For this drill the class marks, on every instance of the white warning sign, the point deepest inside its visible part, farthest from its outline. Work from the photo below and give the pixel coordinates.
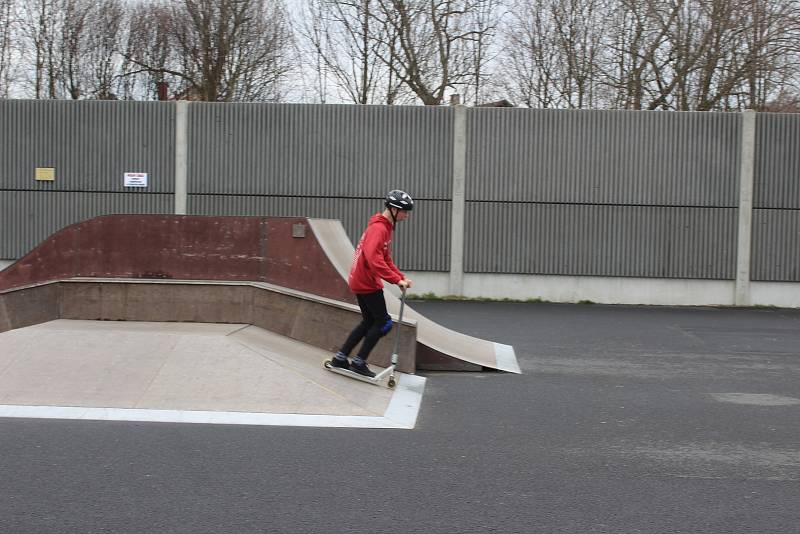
(135, 179)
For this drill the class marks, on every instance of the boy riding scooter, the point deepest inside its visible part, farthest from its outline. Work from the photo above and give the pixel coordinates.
(372, 264)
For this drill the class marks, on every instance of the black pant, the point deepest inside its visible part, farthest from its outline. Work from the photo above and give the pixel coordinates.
(375, 324)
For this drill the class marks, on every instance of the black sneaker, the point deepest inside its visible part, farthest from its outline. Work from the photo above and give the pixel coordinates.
(339, 363)
(362, 370)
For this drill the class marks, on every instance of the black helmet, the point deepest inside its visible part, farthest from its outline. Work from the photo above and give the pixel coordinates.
(399, 199)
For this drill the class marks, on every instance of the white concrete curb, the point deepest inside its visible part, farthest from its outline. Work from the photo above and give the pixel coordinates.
(400, 414)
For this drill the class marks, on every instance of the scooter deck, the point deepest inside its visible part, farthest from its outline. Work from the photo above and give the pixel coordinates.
(351, 374)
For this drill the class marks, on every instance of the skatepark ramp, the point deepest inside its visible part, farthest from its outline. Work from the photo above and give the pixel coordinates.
(284, 274)
(184, 372)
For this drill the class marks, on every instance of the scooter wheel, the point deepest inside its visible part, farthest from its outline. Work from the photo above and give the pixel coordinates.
(327, 364)
(392, 383)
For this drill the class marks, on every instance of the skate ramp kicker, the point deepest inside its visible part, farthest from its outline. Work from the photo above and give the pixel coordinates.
(187, 373)
(311, 256)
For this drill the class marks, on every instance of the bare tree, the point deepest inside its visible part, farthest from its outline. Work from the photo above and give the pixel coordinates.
(315, 29)
(784, 102)
(214, 50)
(557, 45)
(40, 25)
(742, 54)
(652, 54)
(346, 42)
(724, 61)
(484, 19)
(7, 25)
(578, 42)
(339, 33)
(230, 49)
(72, 47)
(634, 66)
(773, 32)
(631, 54)
(428, 51)
(147, 52)
(700, 54)
(529, 62)
(104, 43)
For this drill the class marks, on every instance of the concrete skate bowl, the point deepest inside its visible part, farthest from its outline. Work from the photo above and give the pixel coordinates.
(284, 274)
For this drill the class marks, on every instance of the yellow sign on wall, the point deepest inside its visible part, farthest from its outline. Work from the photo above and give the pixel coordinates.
(47, 174)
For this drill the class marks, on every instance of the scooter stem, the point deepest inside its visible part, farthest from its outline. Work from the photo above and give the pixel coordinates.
(390, 370)
(399, 321)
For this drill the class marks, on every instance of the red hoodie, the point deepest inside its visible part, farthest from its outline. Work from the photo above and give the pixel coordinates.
(372, 262)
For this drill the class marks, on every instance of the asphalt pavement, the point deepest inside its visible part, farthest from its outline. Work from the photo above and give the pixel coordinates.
(625, 419)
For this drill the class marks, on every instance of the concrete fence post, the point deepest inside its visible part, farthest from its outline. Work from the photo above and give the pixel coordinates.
(181, 156)
(456, 283)
(745, 234)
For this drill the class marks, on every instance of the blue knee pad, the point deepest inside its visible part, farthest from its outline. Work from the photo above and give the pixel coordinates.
(386, 326)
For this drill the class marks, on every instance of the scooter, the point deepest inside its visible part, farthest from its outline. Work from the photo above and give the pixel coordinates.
(377, 379)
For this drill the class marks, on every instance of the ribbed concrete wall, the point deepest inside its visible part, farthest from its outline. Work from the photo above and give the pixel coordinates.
(319, 151)
(90, 145)
(597, 240)
(777, 167)
(603, 157)
(776, 237)
(776, 202)
(608, 193)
